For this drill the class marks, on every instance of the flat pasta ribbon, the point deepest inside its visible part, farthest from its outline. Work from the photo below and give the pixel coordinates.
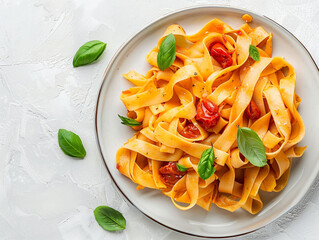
(170, 135)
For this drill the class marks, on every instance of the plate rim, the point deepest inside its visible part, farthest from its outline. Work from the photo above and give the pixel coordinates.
(117, 53)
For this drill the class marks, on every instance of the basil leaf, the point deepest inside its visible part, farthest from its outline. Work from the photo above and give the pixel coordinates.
(206, 164)
(167, 52)
(71, 144)
(109, 219)
(251, 146)
(129, 121)
(253, 52)
(181, 167)
(88, 52)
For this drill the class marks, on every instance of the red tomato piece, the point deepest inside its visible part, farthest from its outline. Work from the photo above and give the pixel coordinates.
(170, 174)
(238, 32)
(221, 55)
(207, 113)
(170, 168)
(253, 111)
(190, 131)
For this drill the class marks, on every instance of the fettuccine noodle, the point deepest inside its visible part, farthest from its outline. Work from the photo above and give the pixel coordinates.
(165, 102)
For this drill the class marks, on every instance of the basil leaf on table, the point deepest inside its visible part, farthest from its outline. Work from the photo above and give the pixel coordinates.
(251, 146)
(181, 167)
(109, 219)
(206, 164)
(167, 52)
(71, 144)
(88, 52)
(253, 52)
(129, 121)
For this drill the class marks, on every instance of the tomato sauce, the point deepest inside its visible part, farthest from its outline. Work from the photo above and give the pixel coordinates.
(170, 174)
(221, 55)
(190, 131)
(252, 111)
(207, 113)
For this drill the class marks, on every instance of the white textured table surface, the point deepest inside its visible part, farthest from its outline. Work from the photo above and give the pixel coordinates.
(47, 195)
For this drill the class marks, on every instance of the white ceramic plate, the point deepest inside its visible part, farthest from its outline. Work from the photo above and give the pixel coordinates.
(111, 134)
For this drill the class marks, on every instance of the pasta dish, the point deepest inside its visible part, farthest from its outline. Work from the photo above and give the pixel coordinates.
(200, 120)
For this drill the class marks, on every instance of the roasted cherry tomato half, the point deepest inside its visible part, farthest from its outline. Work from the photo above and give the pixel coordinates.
(190, 131)
(221, 55)
(207, 113)
(253, 111)
(170, 174)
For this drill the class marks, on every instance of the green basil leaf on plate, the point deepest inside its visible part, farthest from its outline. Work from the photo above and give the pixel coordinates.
(253, 52)
(167, 52)
(109, 219)
(129, 121)
(251, 146)
(88, 52)
(71, 144)
(181, 167)
(206, 164)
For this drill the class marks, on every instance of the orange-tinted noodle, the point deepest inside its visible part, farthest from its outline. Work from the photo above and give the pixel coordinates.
(247, 93)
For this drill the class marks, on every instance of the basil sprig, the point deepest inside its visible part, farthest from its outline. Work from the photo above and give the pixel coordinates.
(129, 121)
(206, 164)
(167, 52)
(181, 167)
(253, 52)
(251, 146)
(88, 52)
(71, 144)
(109, 219)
